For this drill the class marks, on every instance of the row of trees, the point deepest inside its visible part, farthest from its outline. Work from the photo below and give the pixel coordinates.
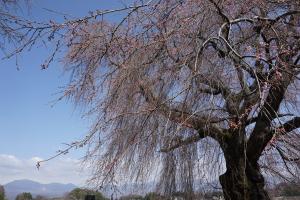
(80, 194)
(2, 193)
(25, 196)
(22, 196)
(282, 189)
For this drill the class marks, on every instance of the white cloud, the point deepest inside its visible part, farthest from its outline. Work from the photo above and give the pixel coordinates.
(61, 170)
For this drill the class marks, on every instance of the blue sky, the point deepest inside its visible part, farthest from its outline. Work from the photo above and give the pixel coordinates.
(30, 128)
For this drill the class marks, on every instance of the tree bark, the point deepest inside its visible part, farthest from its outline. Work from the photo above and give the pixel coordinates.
(236, 186)
(242, 180)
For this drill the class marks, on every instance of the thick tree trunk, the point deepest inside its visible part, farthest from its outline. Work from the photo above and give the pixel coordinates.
(237, 187)
(242, 181)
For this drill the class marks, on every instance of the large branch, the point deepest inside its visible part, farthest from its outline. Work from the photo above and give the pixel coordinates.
(183, 117)
(262, 134)
(224, 17)
(181, 142)
(293, 12)
(217, 86)
(291, 125)
(255, 119)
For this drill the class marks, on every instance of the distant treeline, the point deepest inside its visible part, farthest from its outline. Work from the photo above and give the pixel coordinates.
(282, 189)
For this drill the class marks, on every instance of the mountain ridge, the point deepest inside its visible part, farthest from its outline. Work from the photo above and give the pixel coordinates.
(13, 188)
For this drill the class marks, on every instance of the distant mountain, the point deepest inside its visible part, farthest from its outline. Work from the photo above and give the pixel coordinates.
(14, 188)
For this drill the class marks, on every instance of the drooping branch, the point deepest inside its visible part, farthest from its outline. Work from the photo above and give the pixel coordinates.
(285, 157)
